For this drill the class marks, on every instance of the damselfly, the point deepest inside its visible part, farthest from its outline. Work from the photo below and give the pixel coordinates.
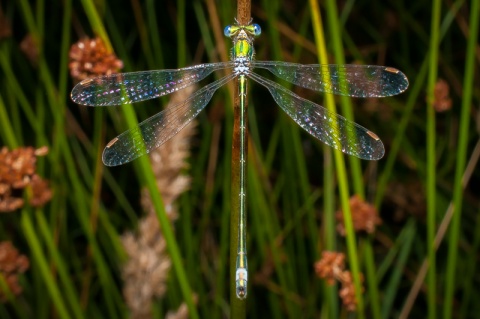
(330, 128)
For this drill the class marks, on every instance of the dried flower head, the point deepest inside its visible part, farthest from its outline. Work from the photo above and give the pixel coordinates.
(347, 292)
(5, 29)
(11, 265)
(29, 47)
(442, 101)
(147, 269)
(332, 268)
(364, 215)
(146, 272)
(41, 193)
(90, 58)
(17, 172)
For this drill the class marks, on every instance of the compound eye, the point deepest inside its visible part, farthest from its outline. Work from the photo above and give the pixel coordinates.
(256, 29)
(227, 31)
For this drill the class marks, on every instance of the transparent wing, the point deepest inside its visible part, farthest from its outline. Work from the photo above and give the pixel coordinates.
(330, 128)
(125, 88)
(159, 128)
(349, 79)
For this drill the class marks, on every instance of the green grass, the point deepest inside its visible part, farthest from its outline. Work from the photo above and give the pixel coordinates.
(295, 184)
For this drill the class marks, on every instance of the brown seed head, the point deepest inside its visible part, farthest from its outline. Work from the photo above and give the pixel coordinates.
(364, 216)
(90, 58)
(11, 265)
(347, 292)
(331, 264)
(41, 193)
(17, 171)
(442, 101)
(332, 268)
(5, 29)
(29, 47)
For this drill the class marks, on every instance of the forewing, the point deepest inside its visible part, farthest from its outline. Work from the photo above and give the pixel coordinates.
(125, 88)
(349, 79)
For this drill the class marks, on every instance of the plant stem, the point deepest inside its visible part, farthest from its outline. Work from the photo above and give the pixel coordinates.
(335, 28)
(340, 168)
(96, 23)
(244, 11)
(461, 159)
(431, 193)
(237, 306)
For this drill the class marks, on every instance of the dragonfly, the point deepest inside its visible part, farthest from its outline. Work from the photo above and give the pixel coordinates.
(330, 128)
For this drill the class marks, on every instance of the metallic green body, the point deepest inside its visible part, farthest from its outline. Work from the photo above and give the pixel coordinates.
(242, 54)
(241, 274)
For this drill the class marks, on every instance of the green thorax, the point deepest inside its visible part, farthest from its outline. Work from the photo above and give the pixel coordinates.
(243, 46)
(242, 37)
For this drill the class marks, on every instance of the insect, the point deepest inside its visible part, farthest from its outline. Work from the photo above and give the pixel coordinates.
(330, 128)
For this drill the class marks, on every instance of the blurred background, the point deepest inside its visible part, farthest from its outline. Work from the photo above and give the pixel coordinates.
(81, 240)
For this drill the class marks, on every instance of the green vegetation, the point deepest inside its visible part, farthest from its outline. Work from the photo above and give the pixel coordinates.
(297, 187)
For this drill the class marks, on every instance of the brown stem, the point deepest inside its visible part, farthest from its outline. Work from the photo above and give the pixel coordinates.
(237, 306)
(244, 11)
